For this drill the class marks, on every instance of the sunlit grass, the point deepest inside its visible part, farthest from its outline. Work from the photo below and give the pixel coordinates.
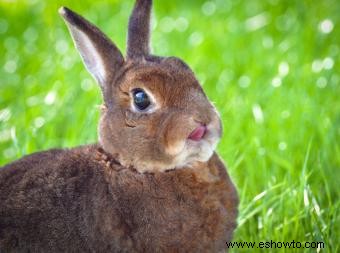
(271, 67)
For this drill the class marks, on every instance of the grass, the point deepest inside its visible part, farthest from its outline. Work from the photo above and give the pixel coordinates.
(271, 67)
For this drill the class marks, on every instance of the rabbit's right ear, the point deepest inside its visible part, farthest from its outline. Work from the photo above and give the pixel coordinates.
(100, 56)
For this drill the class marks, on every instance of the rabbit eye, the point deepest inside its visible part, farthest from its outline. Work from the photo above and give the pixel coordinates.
(141, 99)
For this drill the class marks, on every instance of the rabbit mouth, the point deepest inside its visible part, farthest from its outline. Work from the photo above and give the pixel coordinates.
(199, 147)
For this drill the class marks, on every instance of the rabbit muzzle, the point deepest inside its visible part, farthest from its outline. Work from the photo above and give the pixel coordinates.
(189, 142)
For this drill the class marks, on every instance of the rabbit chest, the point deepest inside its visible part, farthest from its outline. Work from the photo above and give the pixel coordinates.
(175, 211)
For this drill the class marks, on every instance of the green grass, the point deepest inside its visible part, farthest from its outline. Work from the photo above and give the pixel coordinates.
(271, 67)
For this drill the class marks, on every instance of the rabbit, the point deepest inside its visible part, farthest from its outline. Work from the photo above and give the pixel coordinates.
(152, 183)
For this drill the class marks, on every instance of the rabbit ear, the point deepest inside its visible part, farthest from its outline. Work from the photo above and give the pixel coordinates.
(100, 56)
(139, 30)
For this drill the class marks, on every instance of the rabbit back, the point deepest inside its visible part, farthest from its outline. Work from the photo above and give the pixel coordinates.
(48, 202)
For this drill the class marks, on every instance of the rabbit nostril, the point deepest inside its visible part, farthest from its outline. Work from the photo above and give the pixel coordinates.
(198, 133)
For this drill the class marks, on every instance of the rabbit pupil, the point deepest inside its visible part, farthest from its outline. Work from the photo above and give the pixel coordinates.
(140, 99)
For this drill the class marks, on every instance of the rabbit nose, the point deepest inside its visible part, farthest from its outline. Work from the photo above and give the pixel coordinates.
(198, 133)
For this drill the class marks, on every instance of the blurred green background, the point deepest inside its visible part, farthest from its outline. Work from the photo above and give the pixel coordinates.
(270, 66)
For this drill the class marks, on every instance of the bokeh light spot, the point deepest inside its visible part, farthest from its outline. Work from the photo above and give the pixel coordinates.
(317, 66)
(328, 63)
(61, 47)
(181, 24)
(326, 26)
(276, 82)
(282, 145)
(258, 113)
(50, 98)
(31, 34)
(321, 82)
(196, 39)
(87, 84)
(5, 115)
(10, 66)
(209, 8)
(285, 114)
(39, 122)
(244, 81)
(257, 22)
(167, 24)
(283, 69)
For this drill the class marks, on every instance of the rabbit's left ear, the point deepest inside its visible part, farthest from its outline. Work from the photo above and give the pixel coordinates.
(100, 55)
(139, 30)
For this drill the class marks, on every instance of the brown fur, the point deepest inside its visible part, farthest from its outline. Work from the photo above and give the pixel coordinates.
(139, 34)
(146, 187)
(82, 200)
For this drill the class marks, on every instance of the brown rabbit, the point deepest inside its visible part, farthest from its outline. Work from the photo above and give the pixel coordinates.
(152, 184)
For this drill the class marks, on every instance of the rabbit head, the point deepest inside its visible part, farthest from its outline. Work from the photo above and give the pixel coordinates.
(155, 115)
